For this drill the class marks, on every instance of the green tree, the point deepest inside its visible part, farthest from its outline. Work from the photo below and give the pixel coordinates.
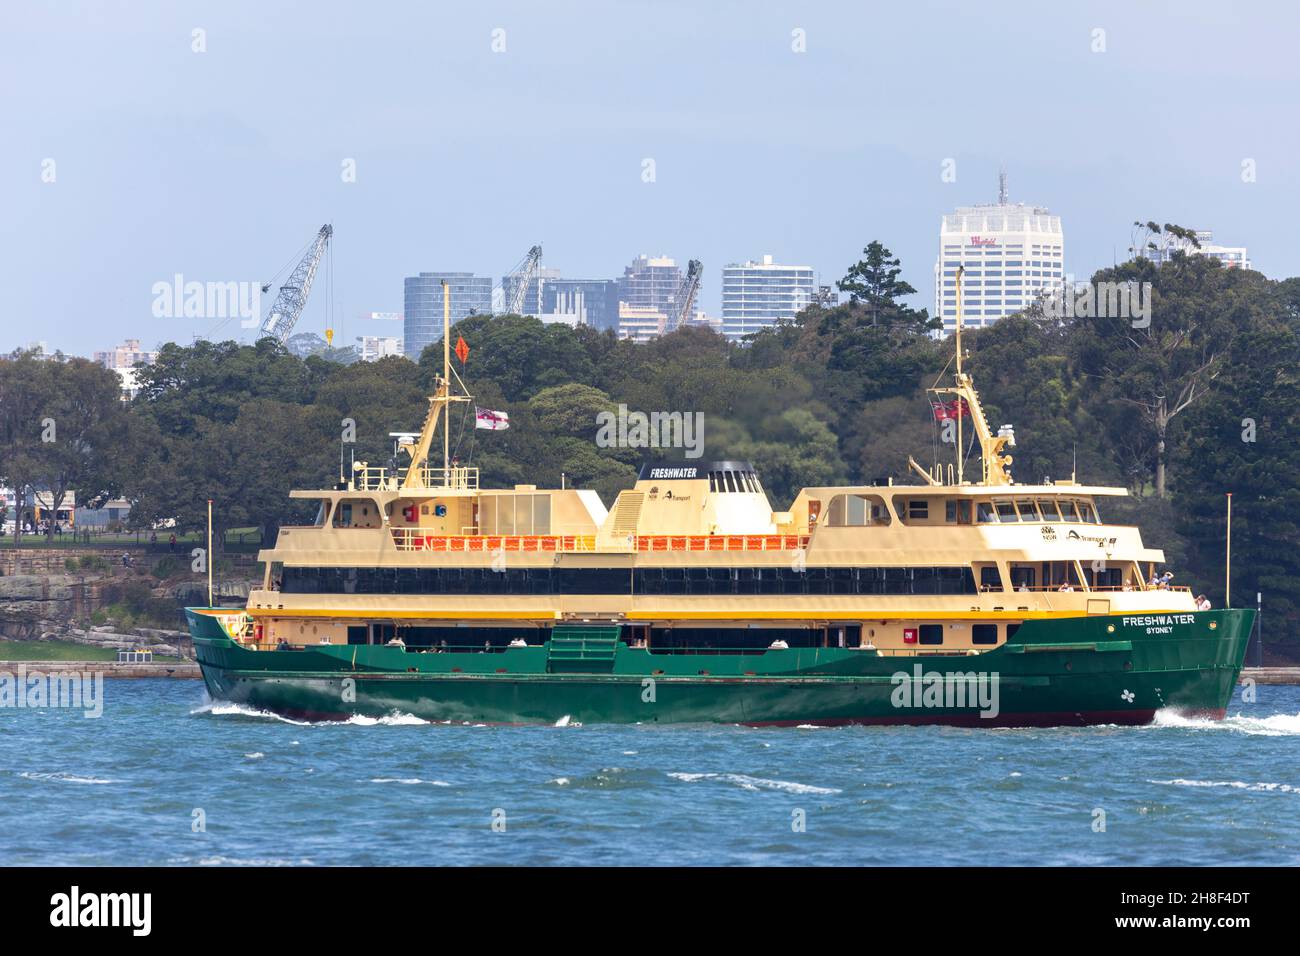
(876, 282)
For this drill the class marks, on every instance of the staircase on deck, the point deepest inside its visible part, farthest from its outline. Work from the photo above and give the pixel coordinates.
(585, 649)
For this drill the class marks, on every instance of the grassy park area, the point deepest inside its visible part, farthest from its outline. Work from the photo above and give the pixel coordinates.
(60, 651)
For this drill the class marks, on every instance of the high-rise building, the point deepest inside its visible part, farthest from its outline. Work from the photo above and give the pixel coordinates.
(1232, 257)
(649, 282)
(381, 335)
(126, 355)
(596, 300)
(533, 296)
(757, 295)
(422, 310)
(640, 325)
(1009, 253)
(375, 347)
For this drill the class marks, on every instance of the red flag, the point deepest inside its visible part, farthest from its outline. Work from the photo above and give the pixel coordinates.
(462, 350)
(957, 408)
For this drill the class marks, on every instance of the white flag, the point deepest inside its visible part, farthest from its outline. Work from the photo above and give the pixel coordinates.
(492, 421)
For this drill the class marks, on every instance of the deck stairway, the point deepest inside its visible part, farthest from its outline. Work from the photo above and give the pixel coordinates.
(583, 650)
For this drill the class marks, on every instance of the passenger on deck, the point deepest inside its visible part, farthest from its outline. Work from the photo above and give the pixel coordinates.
(1202, 603)
(1065, 586)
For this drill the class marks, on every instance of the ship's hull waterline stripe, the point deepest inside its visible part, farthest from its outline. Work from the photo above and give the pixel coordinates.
(632, 616)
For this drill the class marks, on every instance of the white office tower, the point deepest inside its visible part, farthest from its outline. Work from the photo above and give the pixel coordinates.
(1010, 254)
(757, 295)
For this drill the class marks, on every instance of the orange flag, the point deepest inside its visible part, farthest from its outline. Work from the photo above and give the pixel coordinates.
(462, 350)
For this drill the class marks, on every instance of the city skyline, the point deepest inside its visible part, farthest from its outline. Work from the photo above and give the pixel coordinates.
(219, 175)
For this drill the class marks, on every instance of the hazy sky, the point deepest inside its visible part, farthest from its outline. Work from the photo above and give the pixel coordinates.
(220, 165)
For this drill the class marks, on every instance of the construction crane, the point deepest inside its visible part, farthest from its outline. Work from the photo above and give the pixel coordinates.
(683, 299)
(522, 275)
(289, 303)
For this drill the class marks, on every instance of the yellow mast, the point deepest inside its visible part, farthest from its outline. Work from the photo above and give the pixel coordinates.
(960, 456)
(438, 402)
(446, 372)
(995, 463)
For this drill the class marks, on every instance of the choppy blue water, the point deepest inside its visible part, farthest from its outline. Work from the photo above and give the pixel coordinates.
(125, 788)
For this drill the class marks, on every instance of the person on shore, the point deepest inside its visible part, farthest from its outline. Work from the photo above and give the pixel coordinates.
(126, 559)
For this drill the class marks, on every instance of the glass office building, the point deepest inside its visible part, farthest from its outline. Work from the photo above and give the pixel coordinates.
(422, 311)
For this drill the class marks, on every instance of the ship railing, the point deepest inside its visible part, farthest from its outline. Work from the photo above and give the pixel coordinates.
(409, 648)
(412, 539)
(378, 478)
(722, 542)
(1078, 588)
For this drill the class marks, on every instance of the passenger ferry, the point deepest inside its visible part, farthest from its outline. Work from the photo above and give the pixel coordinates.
(953, 600)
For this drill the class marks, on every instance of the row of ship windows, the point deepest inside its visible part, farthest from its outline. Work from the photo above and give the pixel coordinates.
(626, 581)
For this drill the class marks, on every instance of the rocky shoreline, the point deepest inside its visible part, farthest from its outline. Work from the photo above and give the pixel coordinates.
(60, 607)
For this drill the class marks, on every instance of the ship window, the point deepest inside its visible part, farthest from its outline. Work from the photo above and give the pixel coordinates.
(1022, 577)
(985, 514)
(984, 634)
(1048, 507)
(541, 514)
(1088, 512)
(1068, 513)
(918, 508)
(855, 511)
(1011, 630)
(1006, 512)
(1027, 510)
(730, 477)
(950, 510)
(713, 481)
(931, 633)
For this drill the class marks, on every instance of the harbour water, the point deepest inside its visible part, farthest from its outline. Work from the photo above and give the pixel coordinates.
(165, 777)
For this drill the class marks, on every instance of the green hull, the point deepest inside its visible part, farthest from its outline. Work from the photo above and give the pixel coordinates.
(1100, 669)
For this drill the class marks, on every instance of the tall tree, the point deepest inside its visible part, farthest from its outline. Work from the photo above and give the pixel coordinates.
(876, 282)
(1162, 368)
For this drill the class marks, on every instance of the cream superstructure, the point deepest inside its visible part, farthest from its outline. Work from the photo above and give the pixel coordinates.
(948, 563)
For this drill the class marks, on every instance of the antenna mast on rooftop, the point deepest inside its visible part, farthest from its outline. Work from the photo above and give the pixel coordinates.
(1002, 187)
